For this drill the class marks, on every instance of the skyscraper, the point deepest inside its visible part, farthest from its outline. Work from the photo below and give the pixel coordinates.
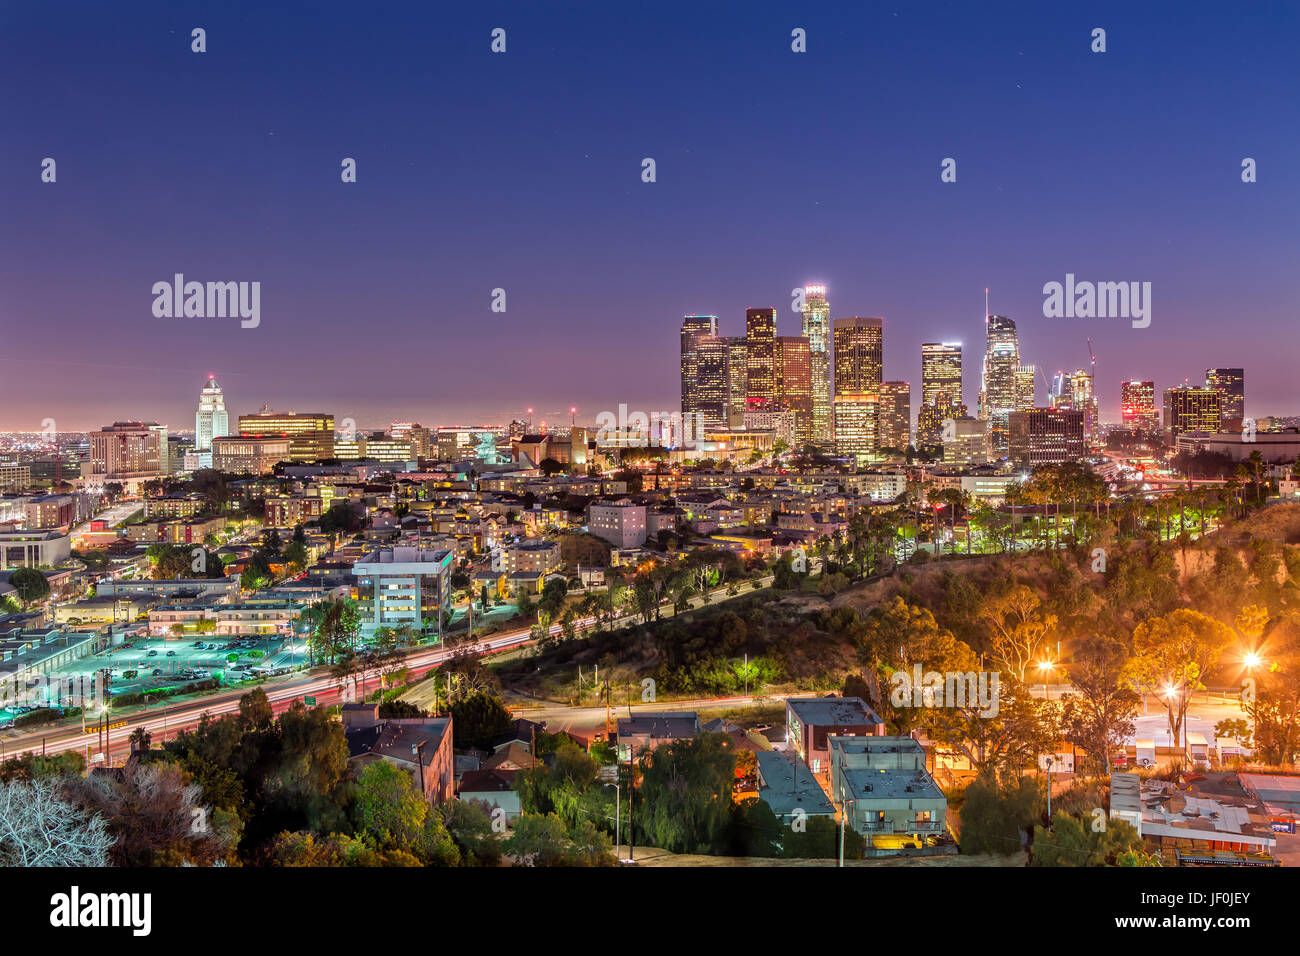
(1231, 384)
(1138, 406)
(941, 390)
(998, 383)
(940, 373)
(859, 355)
(1190, 409)
(694, 328)
(895, 415)
(760, 343)
(711, 385)
(210, 420)
(857, 425)
(817, 330)
(793, 373)
(1045, 436)
(737, 380)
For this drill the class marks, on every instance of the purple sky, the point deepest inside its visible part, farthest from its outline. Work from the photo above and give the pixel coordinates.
(522, 171)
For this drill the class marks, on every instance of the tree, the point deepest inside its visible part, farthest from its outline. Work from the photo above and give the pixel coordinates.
(1099, 717)
(994, 818)
(539, 840)
(479, 719)
(157, 816)
(1018, 628)
(30, 584)
(1172, 655)
(470, 827)
(41, 826)
(1073, 841)
(686, 794)
(388, 807)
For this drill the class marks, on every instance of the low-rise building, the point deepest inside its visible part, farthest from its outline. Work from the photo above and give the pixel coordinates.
(882, 785)
(810, 722)
(421, 746)
(642, 731)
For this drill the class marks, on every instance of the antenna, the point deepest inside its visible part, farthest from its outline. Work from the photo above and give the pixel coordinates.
(986, 304)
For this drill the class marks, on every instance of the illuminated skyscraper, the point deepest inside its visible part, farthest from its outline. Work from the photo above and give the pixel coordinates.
(737, 380)
(859, 355)
(1138, 406)
(760, 344)
(940, 373)
(711, 385)
(211, 420)
(793, 372)
(694, 328)
(895, 415)
(998, 383)
(1190, 409)
(817, 330)
(941, 390)
(1231, 384)
(857, 424)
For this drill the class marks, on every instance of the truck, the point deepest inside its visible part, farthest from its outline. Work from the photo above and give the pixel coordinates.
(1146, 752)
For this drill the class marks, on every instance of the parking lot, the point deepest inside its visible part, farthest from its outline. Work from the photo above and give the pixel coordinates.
(150, 663)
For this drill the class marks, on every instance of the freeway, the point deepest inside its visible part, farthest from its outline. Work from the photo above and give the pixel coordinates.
(161, 721)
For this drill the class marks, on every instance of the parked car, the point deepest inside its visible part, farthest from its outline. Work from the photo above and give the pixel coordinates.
(171, 653)
(152, 654)
(157, 672)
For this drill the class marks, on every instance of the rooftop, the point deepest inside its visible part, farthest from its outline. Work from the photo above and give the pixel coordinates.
(833, 711)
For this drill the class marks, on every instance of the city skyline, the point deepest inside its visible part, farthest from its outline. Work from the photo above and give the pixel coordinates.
(376, 295)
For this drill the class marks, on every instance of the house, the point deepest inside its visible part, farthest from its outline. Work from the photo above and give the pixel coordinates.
(811, 720)
(889, 797)
(642, 731)
(511, 756)
(419, 745)
(492, 787)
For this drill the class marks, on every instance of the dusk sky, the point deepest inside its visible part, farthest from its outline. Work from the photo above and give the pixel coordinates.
(523, 171)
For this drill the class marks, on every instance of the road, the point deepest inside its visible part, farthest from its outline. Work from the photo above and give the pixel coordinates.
(165, 720)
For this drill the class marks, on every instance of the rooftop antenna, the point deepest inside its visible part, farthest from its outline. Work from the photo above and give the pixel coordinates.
(986, 304)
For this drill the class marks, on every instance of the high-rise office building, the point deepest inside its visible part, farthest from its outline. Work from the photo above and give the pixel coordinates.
(1072, 391)
(760, 346)
(1025, 388)
(711, 385)
(1138, 410)
(857, 425)
(999, 391)
(793, 372)
(129, 450)
(1231, 384)
(1191, 409)
(941, 390)
(859, 355)
(895, 415)
(737, 380)
(817, 330)
(695, 328)
(1045, 436)
(311, 434)
(210, 420)
(940, 373)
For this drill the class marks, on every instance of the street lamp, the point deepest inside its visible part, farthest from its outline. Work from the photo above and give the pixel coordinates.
(618, 815)
(844, 815)
(1045, 667)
